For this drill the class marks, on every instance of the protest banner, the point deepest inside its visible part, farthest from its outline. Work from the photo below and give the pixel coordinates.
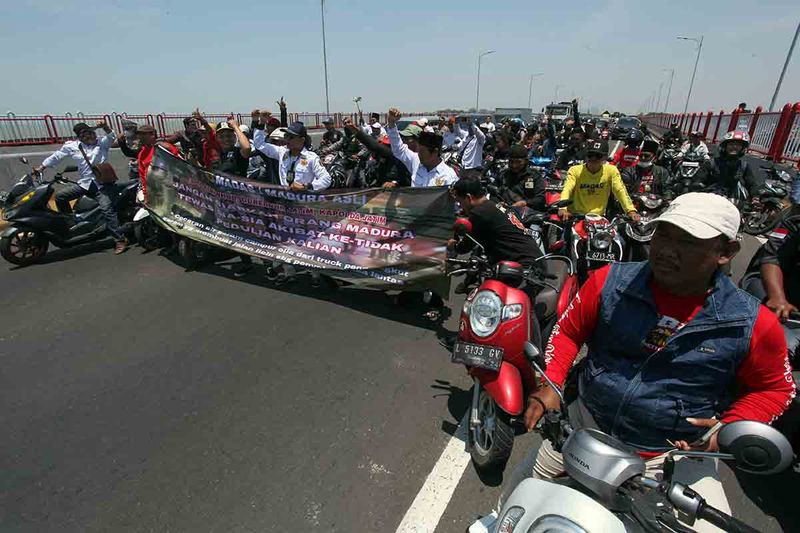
(388, 239)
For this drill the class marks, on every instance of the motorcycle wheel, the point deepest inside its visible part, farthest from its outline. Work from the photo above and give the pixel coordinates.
(23, 248)
(759, 222)
(147, 234)
(492, 441)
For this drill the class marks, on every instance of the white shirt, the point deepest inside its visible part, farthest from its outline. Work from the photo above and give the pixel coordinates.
(97, 154)
(490, 127)
(308, 169)
(439, 176)
(700, 149)
(472, 148)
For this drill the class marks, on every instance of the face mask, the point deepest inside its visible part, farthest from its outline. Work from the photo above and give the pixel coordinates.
(645, 164)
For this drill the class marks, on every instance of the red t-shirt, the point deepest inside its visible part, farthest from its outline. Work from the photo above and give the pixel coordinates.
(144, 158)
(765, 387)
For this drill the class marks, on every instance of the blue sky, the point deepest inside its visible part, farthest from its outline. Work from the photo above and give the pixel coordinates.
(173, 55)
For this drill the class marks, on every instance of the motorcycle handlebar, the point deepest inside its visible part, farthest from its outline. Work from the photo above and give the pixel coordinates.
(723, 520)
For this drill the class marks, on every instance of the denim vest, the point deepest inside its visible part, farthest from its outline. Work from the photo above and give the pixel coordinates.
(644, 399)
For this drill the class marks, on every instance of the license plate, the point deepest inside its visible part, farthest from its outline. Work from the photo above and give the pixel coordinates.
(601, 256)
(478, 355)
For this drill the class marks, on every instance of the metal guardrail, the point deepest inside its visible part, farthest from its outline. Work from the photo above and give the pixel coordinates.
(772, 134)
(21, 130)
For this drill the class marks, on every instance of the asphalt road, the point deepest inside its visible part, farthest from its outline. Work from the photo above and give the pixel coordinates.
(136, 396)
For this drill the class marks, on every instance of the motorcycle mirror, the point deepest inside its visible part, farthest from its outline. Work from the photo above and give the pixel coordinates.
(23, 160)
(535, 356)
(462, 226)
(756, 447)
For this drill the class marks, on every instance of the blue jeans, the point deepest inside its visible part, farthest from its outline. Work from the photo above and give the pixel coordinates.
(105, 195)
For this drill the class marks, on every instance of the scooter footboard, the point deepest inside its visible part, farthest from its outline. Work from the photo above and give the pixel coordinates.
(504, 386)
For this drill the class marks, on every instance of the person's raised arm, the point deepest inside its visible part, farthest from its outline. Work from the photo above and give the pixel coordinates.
(126, 150)
(284, 113)
(399, 149)
(109, 138)
(54, 158)
(244, 142)
(478, 133)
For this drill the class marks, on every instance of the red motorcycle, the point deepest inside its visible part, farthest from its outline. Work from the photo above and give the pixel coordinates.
(497, 319)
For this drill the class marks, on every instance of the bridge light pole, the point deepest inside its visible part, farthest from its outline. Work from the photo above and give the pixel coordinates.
(478, 92)
(696, 61)
(785, 64)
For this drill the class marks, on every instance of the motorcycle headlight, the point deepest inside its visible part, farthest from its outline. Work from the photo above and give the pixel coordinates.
(601, 240)
(652, 202)
(555, 524)
(510, 519)
(485, 313)
(638, 232)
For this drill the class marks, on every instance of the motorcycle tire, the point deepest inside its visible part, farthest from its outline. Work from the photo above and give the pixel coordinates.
(760, 223)
(147, 234)
(24, 248)
(490, 447)
(192, 254)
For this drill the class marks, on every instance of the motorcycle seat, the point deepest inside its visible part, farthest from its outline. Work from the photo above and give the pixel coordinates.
(84, 204)
(546, 302)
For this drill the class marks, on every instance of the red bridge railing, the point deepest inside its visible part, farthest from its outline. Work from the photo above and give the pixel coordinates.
(772, 134)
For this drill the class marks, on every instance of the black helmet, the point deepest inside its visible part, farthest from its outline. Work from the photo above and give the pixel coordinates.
(674, 126)
(588, 122)
(634, 138)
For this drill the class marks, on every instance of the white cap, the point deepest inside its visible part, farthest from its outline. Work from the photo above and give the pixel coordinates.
(278, 134)
(422, 122)
(376, 125)
(703, 215)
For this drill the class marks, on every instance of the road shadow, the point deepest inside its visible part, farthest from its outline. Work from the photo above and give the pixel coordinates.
(775, 495)
(64, 254)
(407, 308)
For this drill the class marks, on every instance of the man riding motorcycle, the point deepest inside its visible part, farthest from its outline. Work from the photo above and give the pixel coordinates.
(646, 176)
(520, 185)
(386, 171)
(780, 265)
(501, 234)
(725, 172)
(674, 350)
(331, 134)
(575, 152)
(695, 146)
(628, 155)
(89, 155)
(591, 184)
(673, 135)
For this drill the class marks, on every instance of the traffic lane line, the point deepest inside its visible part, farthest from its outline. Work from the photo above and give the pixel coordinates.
(433, 498)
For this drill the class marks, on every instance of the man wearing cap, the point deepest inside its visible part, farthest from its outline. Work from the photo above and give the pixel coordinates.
(298, 168)
(520, 185)
(591, 184)
(425, 165)
(675, 350)
(190, 140)
(87, 153)
(147, 137)
(646, 176)
(331, 135)
(695, 146)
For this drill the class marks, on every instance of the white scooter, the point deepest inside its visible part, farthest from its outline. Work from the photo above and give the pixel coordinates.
(605, 488)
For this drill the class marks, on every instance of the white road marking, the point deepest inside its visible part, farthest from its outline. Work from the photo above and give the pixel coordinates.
(26, 154)
(428, 507)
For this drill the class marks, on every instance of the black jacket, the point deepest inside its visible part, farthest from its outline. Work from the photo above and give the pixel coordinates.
(386, 167)
(662, 181)
(528, 186)
(572, 155)
(725, 173)
(330, 137)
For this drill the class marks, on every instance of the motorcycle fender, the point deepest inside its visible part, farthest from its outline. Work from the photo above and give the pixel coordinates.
(9, 231)
(141, 214)
(504, 386)
(540, 498)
